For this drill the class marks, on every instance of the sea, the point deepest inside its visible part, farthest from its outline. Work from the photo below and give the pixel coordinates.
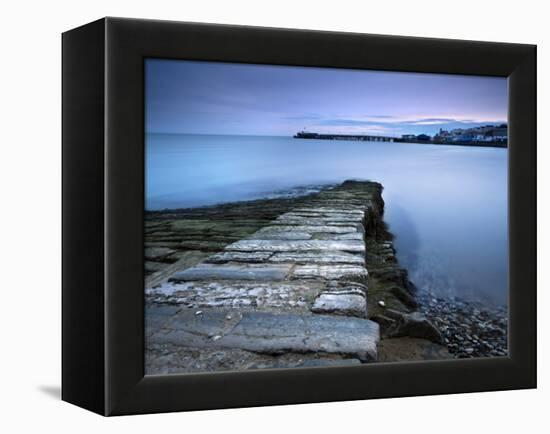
(446, 205)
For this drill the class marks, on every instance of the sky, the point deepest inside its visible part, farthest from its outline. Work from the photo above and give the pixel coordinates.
(194, 97)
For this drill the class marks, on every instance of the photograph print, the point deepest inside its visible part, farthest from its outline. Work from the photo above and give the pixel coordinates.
(303, 217)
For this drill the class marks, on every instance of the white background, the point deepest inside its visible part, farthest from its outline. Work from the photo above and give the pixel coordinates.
(30, 227)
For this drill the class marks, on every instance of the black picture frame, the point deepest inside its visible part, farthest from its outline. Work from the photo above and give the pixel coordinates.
(103, 203)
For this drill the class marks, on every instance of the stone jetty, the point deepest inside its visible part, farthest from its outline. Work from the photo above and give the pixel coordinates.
(294, 291)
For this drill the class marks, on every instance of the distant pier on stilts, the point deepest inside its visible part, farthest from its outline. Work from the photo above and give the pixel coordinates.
(357, 137)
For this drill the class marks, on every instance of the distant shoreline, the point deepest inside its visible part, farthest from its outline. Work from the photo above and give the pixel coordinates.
(474, 144)
(371, 138)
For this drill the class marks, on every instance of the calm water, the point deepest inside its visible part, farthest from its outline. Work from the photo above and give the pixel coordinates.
(446, 205)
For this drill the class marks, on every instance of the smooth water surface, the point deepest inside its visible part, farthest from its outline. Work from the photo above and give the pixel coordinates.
(446, 205)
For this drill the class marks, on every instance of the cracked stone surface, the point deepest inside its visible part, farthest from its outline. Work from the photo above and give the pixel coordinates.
(273, 296)
(272, 333)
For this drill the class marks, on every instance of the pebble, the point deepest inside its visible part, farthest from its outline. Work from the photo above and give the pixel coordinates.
(468, 329)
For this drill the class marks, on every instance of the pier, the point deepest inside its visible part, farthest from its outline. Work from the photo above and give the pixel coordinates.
(355, 137)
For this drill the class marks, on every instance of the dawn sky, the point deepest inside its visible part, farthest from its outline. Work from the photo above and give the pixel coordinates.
(223, 98)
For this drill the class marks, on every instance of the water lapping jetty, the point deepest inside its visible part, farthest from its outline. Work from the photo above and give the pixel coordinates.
(294, 292)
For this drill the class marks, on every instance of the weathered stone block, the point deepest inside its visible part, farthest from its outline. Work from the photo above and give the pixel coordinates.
(348, 303)
(233, 272)
(240, 294)
(272, 333)
(248, 257)
(313, 271)
(318, 258)
(282, 235)
(308, 229)
(289, 246)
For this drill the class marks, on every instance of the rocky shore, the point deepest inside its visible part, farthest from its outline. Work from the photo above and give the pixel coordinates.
(469, 329)
(293, 281)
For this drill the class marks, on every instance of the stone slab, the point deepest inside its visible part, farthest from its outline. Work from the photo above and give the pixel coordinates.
(331, 272)
(315, 221)
(296, 296)
(248, 257)
(282, 235)
(257, 272)
(296, 246)
(309, 229)
(359, 236)
(157, 316)
(328, 257)
(273, 333)
(331, 210)
(346, 303)
(354, 218)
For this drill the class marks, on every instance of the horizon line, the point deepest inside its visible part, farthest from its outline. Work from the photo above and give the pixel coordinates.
(496, 123)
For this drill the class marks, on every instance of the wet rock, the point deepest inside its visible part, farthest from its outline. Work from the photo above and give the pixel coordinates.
(384, 322)
(406, 349)
(404, 296)
(415, 325)
(395, 275)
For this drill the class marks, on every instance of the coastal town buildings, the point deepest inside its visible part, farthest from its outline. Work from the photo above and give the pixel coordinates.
(487, 133)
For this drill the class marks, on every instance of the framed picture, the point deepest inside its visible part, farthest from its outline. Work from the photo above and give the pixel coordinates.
(257, 216)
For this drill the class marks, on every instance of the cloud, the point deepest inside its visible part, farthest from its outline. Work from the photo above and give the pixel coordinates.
(402, 121)
(347, 122)
(302, 118)
(394, 125)
(437, 121)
